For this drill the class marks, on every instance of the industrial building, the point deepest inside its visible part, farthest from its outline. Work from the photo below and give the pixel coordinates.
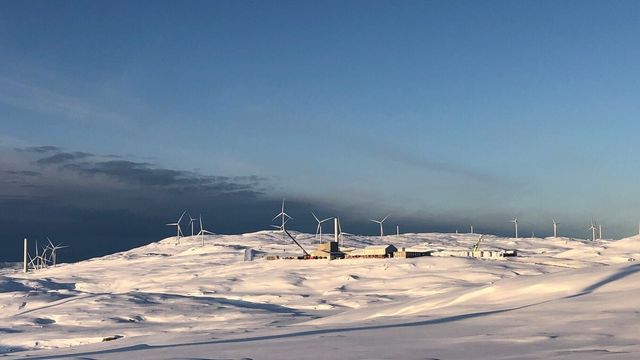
(485, 254)
(328, 250)
(375, 251)
(410, 253)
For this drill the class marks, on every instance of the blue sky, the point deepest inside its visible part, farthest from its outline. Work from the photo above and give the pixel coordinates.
(452, 112)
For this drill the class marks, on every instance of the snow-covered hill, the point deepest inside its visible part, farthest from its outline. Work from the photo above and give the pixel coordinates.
(561, 298)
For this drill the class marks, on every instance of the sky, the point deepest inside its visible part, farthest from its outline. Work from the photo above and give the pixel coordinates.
(117, 116)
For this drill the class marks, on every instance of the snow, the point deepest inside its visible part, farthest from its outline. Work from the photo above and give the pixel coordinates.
(560, 298)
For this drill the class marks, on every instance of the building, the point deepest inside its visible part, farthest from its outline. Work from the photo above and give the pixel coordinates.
(409, 253)
(484, 254)
(328, 250)
(376, 251)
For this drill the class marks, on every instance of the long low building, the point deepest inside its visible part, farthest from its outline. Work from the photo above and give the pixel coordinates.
(374, 251)
(410, 253)
(502, 253)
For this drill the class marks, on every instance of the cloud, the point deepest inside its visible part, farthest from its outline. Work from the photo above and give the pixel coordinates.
(76, 196)
(422, 162)
(149, 175)
(63, 157)
(47, 100)
(21, 173)
(40, 149)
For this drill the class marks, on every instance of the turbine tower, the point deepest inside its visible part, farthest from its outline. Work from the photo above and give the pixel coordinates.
(319, 228)
(285, 217)
(555, 228)
(380, 222)
(515, 222)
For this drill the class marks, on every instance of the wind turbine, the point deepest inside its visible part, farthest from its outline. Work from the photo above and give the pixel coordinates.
(341, 233)
(191, 221)
(40, 260)
(555, 228)
(380, 222)
(54, 248)
(177, 225)
(600, 231)
(593, 231)
(284, 215)
(202, 230)
(515, 222)
(319, 228)
(280, 227)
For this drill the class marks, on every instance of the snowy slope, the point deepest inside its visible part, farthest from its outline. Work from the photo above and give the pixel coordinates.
(561, 298)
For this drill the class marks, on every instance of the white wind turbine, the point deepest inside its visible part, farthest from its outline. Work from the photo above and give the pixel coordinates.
(39, 258)
(177, 225)
(285, 217)
(191, 221)
(600, 231)
(380, 222)
(555, 228)
(319, 228)
(593, 231)
(341, 233)
(202, 231)
(39, 261)
(515, 222)
(53, 258)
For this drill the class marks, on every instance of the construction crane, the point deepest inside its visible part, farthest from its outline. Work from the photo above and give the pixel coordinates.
(297, 243)
(476, 247)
